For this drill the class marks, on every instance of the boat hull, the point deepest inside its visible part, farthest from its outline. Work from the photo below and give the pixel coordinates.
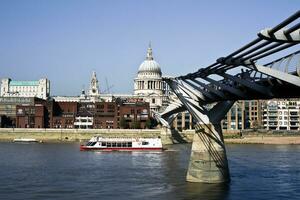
(85, 148)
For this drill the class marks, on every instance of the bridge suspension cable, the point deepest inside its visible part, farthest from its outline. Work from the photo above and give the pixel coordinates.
(268, 42)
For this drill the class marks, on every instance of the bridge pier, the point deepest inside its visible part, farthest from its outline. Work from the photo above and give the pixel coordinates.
(166, 135)
(208, 160)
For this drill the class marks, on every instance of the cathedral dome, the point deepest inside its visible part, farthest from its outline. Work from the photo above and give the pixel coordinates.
(149, 65)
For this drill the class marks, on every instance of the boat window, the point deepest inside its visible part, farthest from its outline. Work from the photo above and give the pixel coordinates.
(89, 144)
(108, 144)
(129, 144)
(145, 143)
(124, 144)
(119, 144)
(93, 143)
(103, 144)
(114, 144)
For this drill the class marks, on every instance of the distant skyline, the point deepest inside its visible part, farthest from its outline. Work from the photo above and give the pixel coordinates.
(65, 40)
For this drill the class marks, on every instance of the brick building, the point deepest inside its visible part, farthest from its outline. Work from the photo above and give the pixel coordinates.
(105, 115)
(133, 115)
(21, 112)
(30, 116)
(64, 114)
(8, 109)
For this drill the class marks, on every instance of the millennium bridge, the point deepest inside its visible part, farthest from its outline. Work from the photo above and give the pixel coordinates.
(255, 71)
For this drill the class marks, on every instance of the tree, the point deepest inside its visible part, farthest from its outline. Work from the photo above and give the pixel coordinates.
(255, 125)
(151, 123)
(123, 123)
(136, 125)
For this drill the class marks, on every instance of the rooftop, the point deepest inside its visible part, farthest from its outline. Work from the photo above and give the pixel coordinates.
(24, 83)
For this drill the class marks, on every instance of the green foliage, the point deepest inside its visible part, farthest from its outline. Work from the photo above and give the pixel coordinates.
(136, 125)
(151, 123)
(123, 123)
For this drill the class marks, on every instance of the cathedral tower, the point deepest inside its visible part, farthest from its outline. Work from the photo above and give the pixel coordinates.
(94, 86)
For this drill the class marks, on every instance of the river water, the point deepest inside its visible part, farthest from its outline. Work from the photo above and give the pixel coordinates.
(61, 171)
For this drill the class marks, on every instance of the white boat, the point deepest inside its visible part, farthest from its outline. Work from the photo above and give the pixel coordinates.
(123, 144)
(25, 140)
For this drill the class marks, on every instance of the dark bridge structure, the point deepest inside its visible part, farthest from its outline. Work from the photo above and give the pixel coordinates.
(210, 92)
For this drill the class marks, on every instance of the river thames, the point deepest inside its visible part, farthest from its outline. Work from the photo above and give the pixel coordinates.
(61, 171)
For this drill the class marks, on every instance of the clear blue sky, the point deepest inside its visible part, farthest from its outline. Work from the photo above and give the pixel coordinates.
(65, 40)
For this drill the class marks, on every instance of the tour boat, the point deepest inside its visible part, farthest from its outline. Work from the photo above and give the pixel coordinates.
(122, 144)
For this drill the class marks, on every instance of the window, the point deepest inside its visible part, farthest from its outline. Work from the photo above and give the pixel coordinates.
(91, 143)
(145, 143)
(111, 106)
(153, 100)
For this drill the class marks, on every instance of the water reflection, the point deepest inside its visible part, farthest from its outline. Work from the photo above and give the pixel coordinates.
(61, 171)
(206, 191)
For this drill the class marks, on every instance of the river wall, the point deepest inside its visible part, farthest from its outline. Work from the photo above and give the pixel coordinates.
(168, 136)
(81, 135)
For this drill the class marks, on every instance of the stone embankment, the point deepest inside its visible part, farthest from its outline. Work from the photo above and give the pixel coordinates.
(167, 136)
(261, 139)
(82, 135)
(262, 136)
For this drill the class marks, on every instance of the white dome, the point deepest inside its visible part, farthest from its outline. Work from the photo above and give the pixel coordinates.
(149, 66)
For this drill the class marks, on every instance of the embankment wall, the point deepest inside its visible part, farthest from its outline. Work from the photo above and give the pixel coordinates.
(80, 135)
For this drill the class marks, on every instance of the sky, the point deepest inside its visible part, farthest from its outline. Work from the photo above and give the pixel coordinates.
(65, 40)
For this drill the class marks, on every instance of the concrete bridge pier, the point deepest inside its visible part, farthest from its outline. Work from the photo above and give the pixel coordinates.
(166, 135)
(208, 160)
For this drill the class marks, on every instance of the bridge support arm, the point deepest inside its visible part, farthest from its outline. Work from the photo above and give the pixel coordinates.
(289, 78)
(208, 160)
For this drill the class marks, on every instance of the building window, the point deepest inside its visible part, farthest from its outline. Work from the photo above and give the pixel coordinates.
(153, 100)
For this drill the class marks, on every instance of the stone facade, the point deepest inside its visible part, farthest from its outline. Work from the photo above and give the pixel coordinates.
(11, 88)
(148, 84)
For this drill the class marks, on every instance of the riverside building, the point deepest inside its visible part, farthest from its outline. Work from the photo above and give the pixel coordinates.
(281, 114)
(243, 115)
(30, 112)
(9, 110)
(13, 88)
(148, 87)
